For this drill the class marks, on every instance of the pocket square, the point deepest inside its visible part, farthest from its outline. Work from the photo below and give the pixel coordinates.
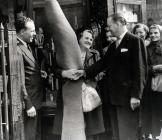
(124, 50)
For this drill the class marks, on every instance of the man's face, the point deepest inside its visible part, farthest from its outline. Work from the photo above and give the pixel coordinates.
(28, 33)
(86, 40)
(114, 27)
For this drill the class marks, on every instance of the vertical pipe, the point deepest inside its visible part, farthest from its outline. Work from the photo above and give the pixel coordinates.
(1, 128)
(50, 63)
(30, 8)
(4, 83)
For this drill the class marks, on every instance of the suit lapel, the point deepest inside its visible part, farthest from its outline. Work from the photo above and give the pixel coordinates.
(26, 51)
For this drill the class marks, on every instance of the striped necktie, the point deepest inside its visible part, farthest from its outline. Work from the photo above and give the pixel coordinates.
(29, 48)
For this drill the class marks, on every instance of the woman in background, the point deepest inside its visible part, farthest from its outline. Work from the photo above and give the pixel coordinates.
(155, 68)
(141, 30)
(110, 39)
(94, 124)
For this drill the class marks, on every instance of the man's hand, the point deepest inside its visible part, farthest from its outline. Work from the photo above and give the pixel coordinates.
(43, 74)
(134, 103)
(72, 74)
(31, 112)
(79, 73)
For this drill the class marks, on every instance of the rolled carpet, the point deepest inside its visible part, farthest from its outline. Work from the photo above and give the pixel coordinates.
(68, 56)
(65, 40)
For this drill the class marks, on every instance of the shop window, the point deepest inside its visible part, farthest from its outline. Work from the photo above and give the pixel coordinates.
(132, 12)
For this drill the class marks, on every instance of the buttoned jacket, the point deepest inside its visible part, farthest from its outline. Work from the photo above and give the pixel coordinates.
(33, 80)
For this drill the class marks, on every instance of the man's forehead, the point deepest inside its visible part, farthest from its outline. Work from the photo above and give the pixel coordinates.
(30, 24)
(109, 20)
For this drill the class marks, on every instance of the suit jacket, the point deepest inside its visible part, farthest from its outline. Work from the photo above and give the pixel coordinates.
(33, 80)
(126, 68)
(21, 80)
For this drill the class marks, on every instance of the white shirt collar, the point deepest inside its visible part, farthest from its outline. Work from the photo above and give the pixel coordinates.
(118, 41)
(122, 35)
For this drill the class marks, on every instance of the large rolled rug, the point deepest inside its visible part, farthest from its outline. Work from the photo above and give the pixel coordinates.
(68, 56)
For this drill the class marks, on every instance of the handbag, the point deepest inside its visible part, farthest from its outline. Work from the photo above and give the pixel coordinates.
(90, 98)
(156, 83)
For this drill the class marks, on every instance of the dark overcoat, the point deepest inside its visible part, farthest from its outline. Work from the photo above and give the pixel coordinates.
(127, 70)
(126, 73)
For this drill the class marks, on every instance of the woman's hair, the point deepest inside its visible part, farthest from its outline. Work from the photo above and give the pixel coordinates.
(155, 26)
(141, 25)
(80, 31)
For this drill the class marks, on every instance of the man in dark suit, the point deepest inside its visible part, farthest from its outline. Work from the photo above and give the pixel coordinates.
(126, 65)
(33, 77)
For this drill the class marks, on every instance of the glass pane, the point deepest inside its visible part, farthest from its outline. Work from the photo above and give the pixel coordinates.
(69, 1)
(132, 12)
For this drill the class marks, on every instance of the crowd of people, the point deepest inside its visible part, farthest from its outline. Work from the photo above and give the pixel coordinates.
(122, 77)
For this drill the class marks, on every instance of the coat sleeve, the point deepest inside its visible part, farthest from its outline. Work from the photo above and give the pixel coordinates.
(139, 68)
(151, 72)
(97, 67)
(97, 58)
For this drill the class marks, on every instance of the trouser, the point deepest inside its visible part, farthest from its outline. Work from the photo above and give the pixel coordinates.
(93, 137)
(124, 123)
(31, 127)
(156, 113)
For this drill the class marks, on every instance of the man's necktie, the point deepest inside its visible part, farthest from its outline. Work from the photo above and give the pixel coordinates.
(33, 51)
(29, 48)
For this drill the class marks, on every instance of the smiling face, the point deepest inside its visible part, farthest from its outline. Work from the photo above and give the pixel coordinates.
(86, 40)
(154, 34)
(28, 33)
(140, 32)
(109, 37)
